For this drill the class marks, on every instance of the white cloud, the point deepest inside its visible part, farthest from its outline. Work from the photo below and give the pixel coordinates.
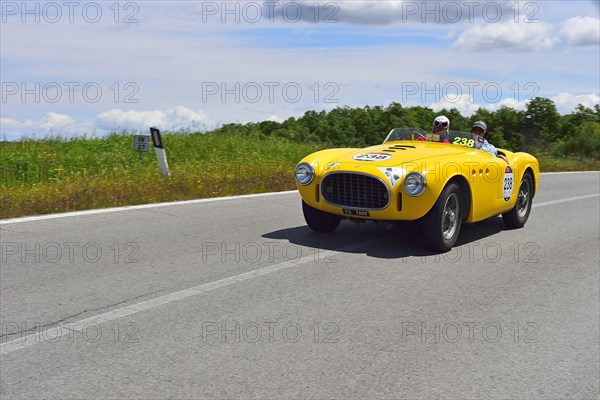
(464, 104)
(173, 119)
(8, 123)
(51, 124)
(512, 103)
(56, 121)
(54, 124)
(566, 102)
(467, 106)
(507, 36)
(581, 31)
(275, 118)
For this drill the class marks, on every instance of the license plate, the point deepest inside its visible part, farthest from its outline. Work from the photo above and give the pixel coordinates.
(356, 213)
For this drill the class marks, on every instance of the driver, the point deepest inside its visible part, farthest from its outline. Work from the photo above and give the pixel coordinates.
(441, 125)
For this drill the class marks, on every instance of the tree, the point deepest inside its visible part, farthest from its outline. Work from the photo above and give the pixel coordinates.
(507, 124)
(570, 123)
(543, 120)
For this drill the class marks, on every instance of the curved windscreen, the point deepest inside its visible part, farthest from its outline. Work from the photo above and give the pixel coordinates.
(405, 134)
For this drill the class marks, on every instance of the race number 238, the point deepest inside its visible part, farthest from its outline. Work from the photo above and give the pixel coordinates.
(461, 141)
(509, 181)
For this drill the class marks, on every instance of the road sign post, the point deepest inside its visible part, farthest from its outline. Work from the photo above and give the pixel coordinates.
(159, 149)
(141, 144)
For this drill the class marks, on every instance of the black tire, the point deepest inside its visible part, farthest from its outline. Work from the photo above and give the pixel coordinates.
(442, 224)
(320, 221)
(519, 214)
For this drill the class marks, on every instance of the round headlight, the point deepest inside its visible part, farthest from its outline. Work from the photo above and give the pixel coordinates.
(414, 184)
(304, 173)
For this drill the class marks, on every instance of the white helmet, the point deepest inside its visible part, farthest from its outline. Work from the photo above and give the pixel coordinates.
(441, 120)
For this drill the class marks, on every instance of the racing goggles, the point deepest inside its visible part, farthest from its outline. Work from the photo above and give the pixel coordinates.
(438, 123)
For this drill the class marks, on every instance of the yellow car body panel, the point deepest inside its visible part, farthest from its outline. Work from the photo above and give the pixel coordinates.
(484, 176)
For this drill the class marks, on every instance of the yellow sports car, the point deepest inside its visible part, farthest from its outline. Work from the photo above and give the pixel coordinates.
(413, 176)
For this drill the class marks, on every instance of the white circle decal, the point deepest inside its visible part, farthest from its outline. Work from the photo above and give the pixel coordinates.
(372, 157)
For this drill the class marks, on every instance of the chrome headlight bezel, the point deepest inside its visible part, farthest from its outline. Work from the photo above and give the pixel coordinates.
(304, 173)
(414, 184)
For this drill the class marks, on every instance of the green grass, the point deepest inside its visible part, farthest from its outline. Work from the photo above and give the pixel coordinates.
(58, 175)
(557, 164)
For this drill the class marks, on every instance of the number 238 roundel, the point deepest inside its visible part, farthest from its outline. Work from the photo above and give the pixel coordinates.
(509, 181)
(372, 157)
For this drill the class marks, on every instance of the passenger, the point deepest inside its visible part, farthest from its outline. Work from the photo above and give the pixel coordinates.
(480, 128)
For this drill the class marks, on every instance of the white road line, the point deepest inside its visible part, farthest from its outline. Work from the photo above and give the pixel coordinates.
(138, 207)
(30, 340)
(177, 203)
(569, 172)
(547, 203)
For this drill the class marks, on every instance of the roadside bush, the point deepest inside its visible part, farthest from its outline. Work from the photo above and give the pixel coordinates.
(584, 143)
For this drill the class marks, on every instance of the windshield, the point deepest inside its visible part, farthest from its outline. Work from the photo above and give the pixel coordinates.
(405, 134)
(457, 138)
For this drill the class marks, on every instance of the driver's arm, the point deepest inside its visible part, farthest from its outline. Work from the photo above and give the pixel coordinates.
(494, 152)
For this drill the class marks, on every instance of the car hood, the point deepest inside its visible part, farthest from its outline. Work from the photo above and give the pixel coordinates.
(394, 154)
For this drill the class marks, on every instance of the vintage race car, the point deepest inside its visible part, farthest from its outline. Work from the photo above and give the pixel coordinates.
(413, 176)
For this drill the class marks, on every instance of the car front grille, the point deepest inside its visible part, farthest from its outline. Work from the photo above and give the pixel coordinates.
(355, 191)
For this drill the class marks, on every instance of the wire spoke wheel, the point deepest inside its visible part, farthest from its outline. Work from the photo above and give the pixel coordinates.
(442, 224)
(523, 199)
(519, 214)
(450, 216)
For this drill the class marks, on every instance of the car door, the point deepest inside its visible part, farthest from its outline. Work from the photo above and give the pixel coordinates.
(487, 174)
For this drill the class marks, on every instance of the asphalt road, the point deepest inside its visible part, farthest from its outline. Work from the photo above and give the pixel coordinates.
(237, 298)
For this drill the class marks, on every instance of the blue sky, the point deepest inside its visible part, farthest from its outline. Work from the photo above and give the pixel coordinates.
(74, 68)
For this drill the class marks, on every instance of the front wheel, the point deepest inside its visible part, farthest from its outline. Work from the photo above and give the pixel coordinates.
(320, 221)
(519, 214)
(442, 223)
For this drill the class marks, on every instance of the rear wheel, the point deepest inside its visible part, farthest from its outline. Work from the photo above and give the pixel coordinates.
(442, 224)
(320, 221)
(519, 214)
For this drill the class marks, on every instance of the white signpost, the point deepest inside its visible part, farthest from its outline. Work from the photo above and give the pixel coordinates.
(159, 149)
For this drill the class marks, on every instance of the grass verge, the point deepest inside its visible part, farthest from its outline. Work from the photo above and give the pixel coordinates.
(54, 175)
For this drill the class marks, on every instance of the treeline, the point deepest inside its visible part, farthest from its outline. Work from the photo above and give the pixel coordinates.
(539, 128)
